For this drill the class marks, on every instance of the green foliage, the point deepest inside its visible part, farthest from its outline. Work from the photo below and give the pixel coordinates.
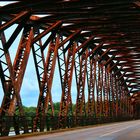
(56, 106)
(31, 111)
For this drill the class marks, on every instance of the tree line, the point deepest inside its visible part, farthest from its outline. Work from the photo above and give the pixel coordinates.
(31, 111)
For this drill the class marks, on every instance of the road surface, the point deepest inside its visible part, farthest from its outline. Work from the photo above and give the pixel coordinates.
(116, 131)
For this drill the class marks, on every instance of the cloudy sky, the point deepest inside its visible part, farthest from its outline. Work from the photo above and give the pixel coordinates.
(30, 90)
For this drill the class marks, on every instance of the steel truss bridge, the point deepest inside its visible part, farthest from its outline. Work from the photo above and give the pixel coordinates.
(97, 41)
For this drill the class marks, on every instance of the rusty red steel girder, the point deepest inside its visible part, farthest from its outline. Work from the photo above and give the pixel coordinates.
(106, 93)
(95, 41)
(66, 73)
(91, 77)
(12, 82)
(45, 72)
(80, 73)
(65, 64)
(99, 87)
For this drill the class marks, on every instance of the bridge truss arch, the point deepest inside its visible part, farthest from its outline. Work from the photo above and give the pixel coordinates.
(97, 41)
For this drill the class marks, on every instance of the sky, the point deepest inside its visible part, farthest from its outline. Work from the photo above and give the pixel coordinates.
(30, 89)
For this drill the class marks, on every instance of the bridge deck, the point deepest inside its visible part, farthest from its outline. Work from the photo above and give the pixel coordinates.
(116, 131)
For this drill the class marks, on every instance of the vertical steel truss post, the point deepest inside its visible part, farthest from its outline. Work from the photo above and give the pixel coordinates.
(12, 77)
(129, 105)
(124, 101)
(113, 97)
(130, 108)
(62, 71)
(96, 86)
(91, 77)
(66, 80)
(45, 73)
(110, 92)
(39, 60)
(114, 90)
(106, 92)
(80, 72)
(119, 98)
(99, 91)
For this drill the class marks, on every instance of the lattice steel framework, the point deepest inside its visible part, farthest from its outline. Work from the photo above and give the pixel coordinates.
(97, 40)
